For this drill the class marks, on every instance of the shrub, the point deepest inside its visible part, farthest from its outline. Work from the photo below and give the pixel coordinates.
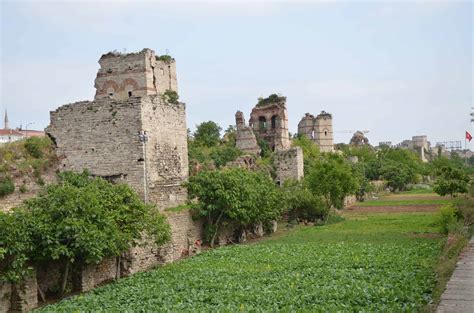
(465, 208)
(15, 245)
(6, 186)
(271, 99)
(171, 96)
(82, 220)
(235, 195)
(33, 146)
(331, 178)
(223, 154)
(207, 134)
(302, 204)
(447, 217)
(451, 181)
(165, 58)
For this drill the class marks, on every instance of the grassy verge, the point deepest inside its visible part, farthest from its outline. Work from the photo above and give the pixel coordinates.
(445, 267)
(378, 262)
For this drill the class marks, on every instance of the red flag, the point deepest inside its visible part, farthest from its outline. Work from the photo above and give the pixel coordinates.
(468, 136)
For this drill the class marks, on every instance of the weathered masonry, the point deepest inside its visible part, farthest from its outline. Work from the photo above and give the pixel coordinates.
(122, 76)
(245, 137)
(129, 133)
(319, 130)
(269, 122)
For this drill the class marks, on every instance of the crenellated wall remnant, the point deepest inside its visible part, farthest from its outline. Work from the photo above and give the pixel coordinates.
(125, 75)
(318, 129)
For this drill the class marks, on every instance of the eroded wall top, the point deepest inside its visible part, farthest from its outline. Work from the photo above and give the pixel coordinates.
(122, 76)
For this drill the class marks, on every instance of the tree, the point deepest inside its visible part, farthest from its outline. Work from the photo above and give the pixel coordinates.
(208, 134)
(451, 181)
(230, 136)
(221, 155)
(15, 245)
(331, 177)
(83, 219)
(397, 175)
(236, 195)
(302, 204)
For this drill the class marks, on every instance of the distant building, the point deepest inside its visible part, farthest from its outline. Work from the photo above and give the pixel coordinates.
(318, 129)
(419, 144)
(385, 144)
(359, 139)
(9, 135)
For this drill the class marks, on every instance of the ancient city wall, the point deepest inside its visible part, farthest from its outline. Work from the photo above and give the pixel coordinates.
(102, 137)
(166, 151)
(289, 165)
(186, 236)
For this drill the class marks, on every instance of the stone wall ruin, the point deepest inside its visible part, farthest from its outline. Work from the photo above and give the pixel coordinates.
(319, 130)
(245, 138)
(122, 76)
(270, 123)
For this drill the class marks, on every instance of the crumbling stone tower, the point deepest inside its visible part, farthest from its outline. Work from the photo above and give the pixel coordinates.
(319, 130)
(245, 138)
(269, 121)
(138, 138)
(122, 76)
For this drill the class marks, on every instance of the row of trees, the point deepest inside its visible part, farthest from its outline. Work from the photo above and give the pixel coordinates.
(245, 198)
(79, 220)
(400, 168)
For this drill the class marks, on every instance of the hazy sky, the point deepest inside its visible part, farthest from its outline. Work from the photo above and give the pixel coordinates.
(398, 68)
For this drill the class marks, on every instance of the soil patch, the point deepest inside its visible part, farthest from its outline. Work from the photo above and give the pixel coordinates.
(425, 235)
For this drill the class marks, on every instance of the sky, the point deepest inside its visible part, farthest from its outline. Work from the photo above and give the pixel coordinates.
(397, 69)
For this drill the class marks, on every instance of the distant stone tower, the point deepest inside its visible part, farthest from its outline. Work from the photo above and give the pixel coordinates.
(245, 138)
(5, 121)
(122, 76)
(323, 132)
(269, 121)
(319, 130)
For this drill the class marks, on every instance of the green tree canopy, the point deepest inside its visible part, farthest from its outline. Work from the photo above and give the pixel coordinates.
(331, 177)
(83, 219)
(207, 134)
(235, 195)
(451, 181)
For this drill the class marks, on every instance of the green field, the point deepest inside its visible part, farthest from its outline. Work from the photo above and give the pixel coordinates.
(378, 262)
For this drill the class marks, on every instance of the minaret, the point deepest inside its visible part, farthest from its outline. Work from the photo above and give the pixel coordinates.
(6, 126)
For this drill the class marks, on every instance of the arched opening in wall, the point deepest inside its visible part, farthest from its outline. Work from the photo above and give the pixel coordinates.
(274, 121)
(325, 132)
(262, 123)
(312, 134)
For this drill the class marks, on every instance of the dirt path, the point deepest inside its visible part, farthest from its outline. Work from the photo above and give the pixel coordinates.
(459, 293)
